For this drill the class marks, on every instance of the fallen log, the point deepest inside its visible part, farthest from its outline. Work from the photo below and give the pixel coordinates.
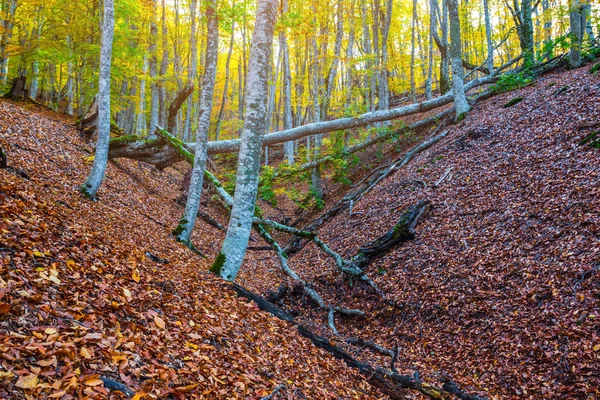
(389, 382)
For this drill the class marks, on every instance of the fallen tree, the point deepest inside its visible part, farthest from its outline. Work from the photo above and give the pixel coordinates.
(390, 382)
(150, 151)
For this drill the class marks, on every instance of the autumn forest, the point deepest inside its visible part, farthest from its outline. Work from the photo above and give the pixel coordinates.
(277, 199)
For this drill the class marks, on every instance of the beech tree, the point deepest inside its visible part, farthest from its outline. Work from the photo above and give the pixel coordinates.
(458, 87)
(233, 250)
(94, 180)
(183, 232)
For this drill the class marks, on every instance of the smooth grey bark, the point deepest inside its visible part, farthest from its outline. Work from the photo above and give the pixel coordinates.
(441, 17)
(192, 71)
(233, 145)
(164, 64)
(94, 180)
(369, 95)
(384, 91)
(547, 28)
(226, 85)
(288, 147)
(350, 57)
(140, 128)
(413, 91)
(35, 65)
(229, 260)
(527, 31)
(153, 67)
(329, 83)
(488, 37)
(577, 20)
(6, 27)
(271, 104)
(460, 99)
(186, 225)
(429, 80)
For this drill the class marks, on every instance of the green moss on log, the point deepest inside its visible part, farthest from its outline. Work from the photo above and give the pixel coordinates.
(127, 139)
(512, 102)
(218, 264)
(592, 140)
(595, 69)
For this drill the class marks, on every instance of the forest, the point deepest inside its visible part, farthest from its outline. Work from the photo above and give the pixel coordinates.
(347, 199)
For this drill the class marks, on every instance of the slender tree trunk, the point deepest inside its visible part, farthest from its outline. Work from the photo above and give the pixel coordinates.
(384, 92)
(226, 85)
(577, 30)
(229, 260)
(186, 225)
(413, 92)
(367, 52)
(164, 64)
(192, 71)
(428, 82)
(460, 99)
(140, 129)
(94, 180)
(547, 29)
(488, 37)
(527, 32)
(271, 105)
(154, 89)
(288, 147)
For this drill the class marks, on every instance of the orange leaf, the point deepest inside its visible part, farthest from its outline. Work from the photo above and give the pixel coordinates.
(27, 381)
(159, 322)
(135, 275)
(4, 308)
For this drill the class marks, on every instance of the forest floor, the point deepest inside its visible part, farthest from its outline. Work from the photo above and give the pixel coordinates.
(499, 291)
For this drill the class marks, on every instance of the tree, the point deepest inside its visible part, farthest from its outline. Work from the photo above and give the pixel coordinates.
(458, 87)
(183, 231)
(94, 180)
(229, 260)
(577, 16)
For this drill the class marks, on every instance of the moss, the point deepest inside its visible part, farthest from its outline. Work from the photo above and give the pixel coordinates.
(179, 228)
(552, 84)
(461, 116)
(592, 139)
(178, 145)
(218, 264)
(85, 190)
(595, 69)
(128, 139)
(512, 102)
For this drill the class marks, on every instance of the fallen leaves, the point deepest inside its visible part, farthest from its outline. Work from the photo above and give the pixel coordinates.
(27, 381)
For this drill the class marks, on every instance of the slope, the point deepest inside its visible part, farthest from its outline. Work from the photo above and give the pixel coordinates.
(86, 303)
(500, 289)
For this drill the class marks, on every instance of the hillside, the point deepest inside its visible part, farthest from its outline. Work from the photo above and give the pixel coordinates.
(499, 291)
(80, 300)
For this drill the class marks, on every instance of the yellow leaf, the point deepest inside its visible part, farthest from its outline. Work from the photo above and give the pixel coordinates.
(85, 353)
(38, 254)
(135, 275)
(6, 376)
(159, 322)
(139, 396)
(93, 382)
(192, 345)
(50, 331)
(597, 347)
(27, 381)
(58, 394)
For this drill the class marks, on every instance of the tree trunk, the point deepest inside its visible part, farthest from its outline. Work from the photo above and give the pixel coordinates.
(488, 37)
(229, 260)
(460, 99)
(92, 184)
(226, 85)
(577, 30)
(187, 127)
(288, 147)
(184, 230)
(176, 106)
(141, 128)
(154, 90)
